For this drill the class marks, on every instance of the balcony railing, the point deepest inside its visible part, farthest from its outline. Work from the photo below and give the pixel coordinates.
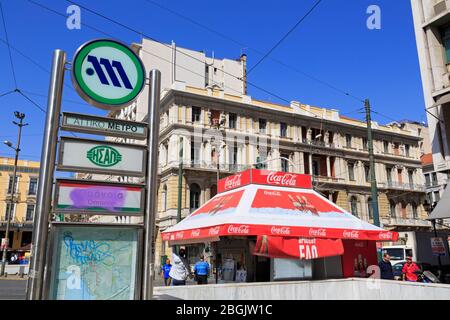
(407, 222)
(404, 186)
(318, 143)
(227, 167)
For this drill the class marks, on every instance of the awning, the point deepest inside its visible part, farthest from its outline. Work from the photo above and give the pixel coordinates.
(442, 209)
(261, 202)
(441, 100)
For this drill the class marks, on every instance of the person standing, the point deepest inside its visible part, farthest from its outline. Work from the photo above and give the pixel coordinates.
(409, 269)
(385, 265)
(201, 271)
(180, 268)
(165, 270)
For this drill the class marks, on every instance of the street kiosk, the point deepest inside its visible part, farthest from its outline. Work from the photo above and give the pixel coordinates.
(266, 226)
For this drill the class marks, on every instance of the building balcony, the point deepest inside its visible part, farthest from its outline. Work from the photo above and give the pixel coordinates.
(210, 166)
(319, 143)
(403, 186)
(408, 222)
(8, 195)
(325, 179)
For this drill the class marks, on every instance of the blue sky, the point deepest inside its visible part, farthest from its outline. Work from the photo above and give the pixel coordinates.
(333, 44)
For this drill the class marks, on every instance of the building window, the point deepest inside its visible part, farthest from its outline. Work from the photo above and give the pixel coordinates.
(354, 206)
(370, 208)
(414, 210)
(32, 188)
(446, 41)
(195, 153)
(427, 180)
(437, 196)
(392, 209)
(283, 129)
(386, 146)
(30, 212)
(411, 179)
(365, 144)
(262, 125)
(232, 120)
(367, 172)
(164, 198)
(351, 171)
(389, 175)
(434, 178)
(196, 111)
(407, 150)
(10, 188)
(194, 197)
(8, 205)
(284, 163)
(260, 164)
(348, 140)
(315, 167)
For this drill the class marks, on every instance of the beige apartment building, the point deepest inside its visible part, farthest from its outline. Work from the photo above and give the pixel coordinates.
(22, 212)
(213, 120)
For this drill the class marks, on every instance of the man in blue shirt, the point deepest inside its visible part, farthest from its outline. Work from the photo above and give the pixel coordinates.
(165, 269)
(201, 270)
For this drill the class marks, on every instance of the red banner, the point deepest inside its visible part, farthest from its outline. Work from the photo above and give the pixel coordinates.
(280, 231)
(220, 203)
(281, 179)
(290, 200)
(297, 248)
(265, 177)
(234, 181)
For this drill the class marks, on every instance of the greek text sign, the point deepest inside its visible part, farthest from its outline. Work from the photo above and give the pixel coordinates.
(93, 156)
(104, 126)
(89, 197)
(107, 74)
(437, 246)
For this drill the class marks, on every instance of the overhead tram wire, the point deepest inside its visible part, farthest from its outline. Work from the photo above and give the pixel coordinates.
(241, 44)
(168, 46)
(140, 33)
(285, 36)
(9, 48)
(151, 38)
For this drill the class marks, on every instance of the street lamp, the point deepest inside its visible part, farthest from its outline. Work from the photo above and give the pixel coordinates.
(428, 207)
(20, 124)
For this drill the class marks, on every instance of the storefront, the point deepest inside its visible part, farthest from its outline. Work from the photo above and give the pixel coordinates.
(268, 226)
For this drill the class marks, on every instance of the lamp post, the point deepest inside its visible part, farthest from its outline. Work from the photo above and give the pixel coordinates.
(20, 124)
(219, 125)
(428, 207)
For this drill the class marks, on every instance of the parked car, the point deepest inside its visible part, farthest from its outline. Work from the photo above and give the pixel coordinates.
(397, 268)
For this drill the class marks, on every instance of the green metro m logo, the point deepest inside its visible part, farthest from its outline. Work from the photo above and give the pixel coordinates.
(104, 156)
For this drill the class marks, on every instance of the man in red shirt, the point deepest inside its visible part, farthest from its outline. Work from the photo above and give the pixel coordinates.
(408, 270)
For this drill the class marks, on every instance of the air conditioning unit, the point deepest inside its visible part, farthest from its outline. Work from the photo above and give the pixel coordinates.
(440, 7)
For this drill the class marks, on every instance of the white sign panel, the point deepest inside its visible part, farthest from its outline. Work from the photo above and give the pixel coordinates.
(90, 197)
(93, 156)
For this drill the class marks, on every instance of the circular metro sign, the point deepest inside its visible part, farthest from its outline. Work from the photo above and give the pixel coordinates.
(107, 74)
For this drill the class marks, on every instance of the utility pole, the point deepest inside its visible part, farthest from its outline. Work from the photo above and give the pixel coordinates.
(20, 124)
(180, 180)
(373, 180)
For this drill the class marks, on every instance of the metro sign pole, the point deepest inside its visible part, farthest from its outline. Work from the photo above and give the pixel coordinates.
(108, 75)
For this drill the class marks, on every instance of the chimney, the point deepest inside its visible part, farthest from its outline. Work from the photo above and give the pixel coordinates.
(243, 59)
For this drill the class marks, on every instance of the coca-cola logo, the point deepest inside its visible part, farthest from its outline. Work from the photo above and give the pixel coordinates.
(232, 182)
(214, 231)
(317, 232)
(353, 234)
(280, 230)
(286, 179)
(195, 233)
(386, 235)
(242, 229)
(179, 235)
